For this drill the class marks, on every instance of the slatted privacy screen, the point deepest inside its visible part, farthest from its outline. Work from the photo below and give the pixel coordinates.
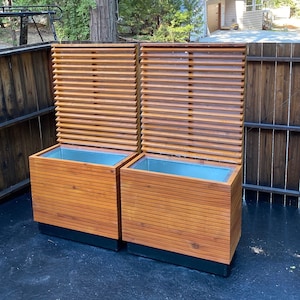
(96, 95)
(192, 100)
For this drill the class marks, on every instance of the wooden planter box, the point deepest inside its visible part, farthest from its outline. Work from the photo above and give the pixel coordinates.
(75, 185)
(181, 199)
(182, 207)
(75, 190)
(186, 100)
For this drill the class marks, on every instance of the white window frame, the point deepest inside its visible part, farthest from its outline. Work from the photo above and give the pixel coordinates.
(255, 5)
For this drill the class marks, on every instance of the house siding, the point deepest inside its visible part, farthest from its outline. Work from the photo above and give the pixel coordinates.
(252, 20)
(231, 10)
(235, 13)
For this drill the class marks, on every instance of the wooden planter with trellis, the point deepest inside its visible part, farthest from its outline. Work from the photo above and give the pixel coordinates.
(75, 184)
(181, 198)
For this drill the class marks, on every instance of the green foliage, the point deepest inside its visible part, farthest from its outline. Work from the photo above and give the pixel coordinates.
(178, 30)
(293, 4)
(144, 17)
(74, 24)
(32, 2)
(278, 3)
(162, 20)
(158, 20)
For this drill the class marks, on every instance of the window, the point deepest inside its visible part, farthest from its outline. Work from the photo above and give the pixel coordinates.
(252, 5)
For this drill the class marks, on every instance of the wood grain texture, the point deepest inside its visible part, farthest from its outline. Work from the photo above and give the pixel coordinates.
(96, 106)
(191, 107)
(76, 195)
(272, 98)
(25, 88)
(189, 216)
(96, 95)
(190, 97)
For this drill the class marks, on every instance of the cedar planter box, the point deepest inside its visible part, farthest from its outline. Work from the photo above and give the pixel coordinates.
(77, 188)
(181, 198)
(182, 207)
(75, 184)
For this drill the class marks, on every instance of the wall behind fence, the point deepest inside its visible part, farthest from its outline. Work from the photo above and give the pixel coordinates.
(272, 124)
(27, 122)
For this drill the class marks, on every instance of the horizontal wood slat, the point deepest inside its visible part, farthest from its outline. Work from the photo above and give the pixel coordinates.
(192, 100)
(156, 213)
(77, 196)
(95, 87)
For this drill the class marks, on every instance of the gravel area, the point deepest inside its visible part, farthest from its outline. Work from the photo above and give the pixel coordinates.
(43, 34)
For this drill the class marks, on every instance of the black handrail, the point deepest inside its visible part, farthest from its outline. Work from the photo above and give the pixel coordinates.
(31, 10)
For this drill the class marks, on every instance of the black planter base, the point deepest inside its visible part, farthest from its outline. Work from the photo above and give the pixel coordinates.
(81, 237)
(180, 259)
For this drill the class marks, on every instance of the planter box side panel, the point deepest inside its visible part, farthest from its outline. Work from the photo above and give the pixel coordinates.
(75, 196)
(236, 210)
(177, 214)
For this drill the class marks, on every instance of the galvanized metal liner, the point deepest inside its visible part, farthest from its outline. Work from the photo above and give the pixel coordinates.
(195, 170)
(88, 156)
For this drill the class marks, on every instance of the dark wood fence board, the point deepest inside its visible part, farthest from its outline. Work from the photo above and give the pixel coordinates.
(295, 49)
(19, 86)
(42, 133)
(293, 175)
(28, 77)
(254, 49)
(29, 87)
(282, 93)
(20, 141)
(8, 103)
(269, 49)
(253, 91)
(251, 163)
(42, 79)
(11, 156)
(48, 130)
(25, 88)
(267, 98)
(280, 139)
(21, 147)
(277, 90)
(5, 150)
(295, 95)
(284, 50)
(265, 160)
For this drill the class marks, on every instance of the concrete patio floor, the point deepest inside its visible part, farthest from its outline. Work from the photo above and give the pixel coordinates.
(252, 36)
(34, 266)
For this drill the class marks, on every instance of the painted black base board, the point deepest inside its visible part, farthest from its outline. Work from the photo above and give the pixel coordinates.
(81, 237)
(180, 259)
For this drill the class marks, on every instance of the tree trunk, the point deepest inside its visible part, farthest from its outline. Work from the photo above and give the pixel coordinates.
(103, 24)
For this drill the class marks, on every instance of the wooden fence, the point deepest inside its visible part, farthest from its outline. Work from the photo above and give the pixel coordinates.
(27, 121)
(272, 123)
(272, 119)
